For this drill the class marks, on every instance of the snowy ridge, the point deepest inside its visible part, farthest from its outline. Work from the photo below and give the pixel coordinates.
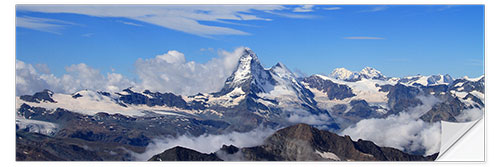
(430, 80)
(36, 126)
(343, 74)
(287, 90)
(364, 89)
(91, 102)
(473, 79)
(366, 73)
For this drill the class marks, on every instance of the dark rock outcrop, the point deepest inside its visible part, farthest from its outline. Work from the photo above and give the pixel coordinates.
(45, 95)
(402, 97)
(304, 142)
(154, 99)
(333, 90)
(300, 142)
(184, 154)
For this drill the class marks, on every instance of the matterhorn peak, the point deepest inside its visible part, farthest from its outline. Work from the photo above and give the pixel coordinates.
(248, 75)
(248, 55)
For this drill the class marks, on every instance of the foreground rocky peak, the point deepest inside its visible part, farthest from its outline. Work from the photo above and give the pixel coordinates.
(300, 142)
(184, 154)
(304, 142)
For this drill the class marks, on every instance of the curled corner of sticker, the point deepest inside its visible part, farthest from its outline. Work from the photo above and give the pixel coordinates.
(451, 133)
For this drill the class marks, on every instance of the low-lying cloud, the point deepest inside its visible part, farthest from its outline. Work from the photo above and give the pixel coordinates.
(78, 77)
(404, 131)
(207, 143)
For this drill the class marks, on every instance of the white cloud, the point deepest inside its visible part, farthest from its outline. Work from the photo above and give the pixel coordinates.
(43, 68)
(361, 37)
(332, 8)
(78, 77)
(306, 117)
(42, 24)
(185, 18)
(304, 8)
(470, 115)
(28, 80)
(210, 143)
(290, 15)
(404, 131)
(129, 23)
(376, 9)
(171, 72)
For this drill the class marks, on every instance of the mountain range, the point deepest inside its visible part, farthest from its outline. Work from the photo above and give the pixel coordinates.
(98, 125)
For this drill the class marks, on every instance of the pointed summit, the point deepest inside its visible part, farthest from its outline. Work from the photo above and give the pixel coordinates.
(282, 71)
(249, 75)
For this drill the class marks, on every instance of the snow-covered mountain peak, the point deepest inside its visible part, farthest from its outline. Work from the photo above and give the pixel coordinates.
(247, 58)
(248, 75)
(282, 71)
(473, 79)
(366, 73)
(343, 74)
(371, 73)
(427, 80)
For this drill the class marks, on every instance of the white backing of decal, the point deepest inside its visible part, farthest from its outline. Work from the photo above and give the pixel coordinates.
(462, 141)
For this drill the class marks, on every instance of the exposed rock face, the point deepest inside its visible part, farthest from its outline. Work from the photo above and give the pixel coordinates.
(301, 142)
(446, 111)
(184, 154)
(402, 97)
(333, 90)
(116, 129)
(38, 147)
(45, 95)
(361, 110)
(460, 95)
(154, 99)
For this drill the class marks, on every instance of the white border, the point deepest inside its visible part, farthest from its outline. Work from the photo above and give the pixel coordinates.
(7, 87)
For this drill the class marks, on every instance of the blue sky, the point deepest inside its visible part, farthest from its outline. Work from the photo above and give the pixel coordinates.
(398, 40)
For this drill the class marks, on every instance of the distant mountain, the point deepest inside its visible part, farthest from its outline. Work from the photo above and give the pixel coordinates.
(366, 73)
(427, 80)
(300, 142)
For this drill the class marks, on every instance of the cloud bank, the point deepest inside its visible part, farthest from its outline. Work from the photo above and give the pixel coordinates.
(77, 77)
(169, 72)
(404, 131)
(211, 143)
